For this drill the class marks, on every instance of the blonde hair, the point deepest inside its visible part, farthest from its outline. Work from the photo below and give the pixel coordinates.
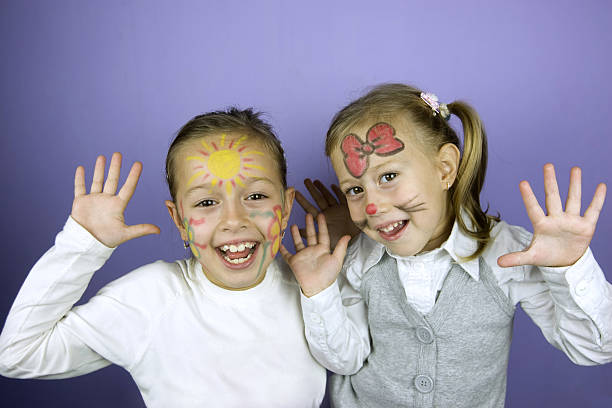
(402, 101)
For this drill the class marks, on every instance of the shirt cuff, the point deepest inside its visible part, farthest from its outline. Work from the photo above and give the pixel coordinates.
(582, 283)
(323, 313)
(75, 238)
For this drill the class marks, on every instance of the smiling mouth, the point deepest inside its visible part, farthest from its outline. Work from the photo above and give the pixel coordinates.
(238, 254)
(393, 230)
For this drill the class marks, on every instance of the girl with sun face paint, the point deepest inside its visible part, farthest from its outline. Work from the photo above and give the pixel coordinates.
(222, 328)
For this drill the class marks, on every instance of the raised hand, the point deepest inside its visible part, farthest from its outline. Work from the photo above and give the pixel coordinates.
(335, 209)
(560, 237)
(314, 266)
(101, 211)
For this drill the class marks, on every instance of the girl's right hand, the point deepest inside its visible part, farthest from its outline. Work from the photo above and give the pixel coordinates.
(101, 211)
(314, 266)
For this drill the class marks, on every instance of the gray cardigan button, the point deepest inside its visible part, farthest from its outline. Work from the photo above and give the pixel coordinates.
(424, 334)
(423, 383)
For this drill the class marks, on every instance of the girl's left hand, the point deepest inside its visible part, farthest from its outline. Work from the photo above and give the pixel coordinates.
(560, 237)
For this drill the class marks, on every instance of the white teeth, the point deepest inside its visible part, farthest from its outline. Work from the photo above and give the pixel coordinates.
(238, 260)
(391, 227)
(237, 248)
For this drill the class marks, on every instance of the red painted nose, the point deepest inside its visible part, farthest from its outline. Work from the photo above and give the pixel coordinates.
(371, 209)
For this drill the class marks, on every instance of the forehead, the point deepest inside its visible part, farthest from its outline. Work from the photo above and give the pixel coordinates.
(374, 142)
(225, 157)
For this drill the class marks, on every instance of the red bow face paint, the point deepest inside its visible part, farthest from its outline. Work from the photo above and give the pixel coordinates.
(371, 209)
(380, 140)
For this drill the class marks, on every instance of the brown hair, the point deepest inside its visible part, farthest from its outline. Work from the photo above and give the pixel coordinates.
(229, 120)
(398, 100)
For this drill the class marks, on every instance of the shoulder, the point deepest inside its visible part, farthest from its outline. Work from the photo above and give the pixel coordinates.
(506, 238)
(362, 254)
(283, 272)
(150, 285)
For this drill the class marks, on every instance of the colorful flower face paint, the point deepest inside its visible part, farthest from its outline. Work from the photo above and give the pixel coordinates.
(229, 165)
(231, 207)
(380, 140)
(189, 225)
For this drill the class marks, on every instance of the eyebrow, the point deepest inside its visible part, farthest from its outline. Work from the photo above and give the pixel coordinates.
(246, 181)
(352, 180)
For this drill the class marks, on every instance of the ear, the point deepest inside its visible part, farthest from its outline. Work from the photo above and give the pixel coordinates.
(288, 205)
(176, 218)
(448, 162)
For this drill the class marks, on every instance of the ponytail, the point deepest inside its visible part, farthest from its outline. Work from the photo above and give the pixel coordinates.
(465, 194)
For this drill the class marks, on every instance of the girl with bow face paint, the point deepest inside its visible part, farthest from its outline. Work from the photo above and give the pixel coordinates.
(418, 311)
(222, 328)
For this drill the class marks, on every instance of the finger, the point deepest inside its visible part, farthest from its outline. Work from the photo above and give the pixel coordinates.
(311, 233)
(340, 249)
(323, 233)
(305, 204)
(98, 177)
(140, 230)
(131, 182)
(574, 193)
(534, 211)
(594, 209)
(516, 259)
(285, 253)
(79, 182)
(297, 238)
(551, 190)
(339, 194)
(331, 200)
(112, 179)
(316, 194)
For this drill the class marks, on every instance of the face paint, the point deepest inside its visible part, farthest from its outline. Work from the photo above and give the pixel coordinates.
(188, 225)
(273, 235)
(225, 164)
(380, 139)
(371, 209)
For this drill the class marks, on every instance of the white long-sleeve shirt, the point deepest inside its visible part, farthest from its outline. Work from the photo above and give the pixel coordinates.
(571, 305)
(185, 341)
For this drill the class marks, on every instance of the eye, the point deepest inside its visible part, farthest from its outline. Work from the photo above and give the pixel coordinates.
(387, 177)
(256, 196)
(206, 203)
(353, 191)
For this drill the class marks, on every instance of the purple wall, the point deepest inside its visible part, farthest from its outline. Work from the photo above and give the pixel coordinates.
(82, 78)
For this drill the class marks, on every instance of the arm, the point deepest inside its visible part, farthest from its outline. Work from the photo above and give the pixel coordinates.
(564, 290)
(42, 336)
(334, 313)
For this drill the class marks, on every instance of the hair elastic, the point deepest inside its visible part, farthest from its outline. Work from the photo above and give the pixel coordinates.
(437, 107)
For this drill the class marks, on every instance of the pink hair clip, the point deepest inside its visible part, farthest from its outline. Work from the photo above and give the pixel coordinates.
(437, 107)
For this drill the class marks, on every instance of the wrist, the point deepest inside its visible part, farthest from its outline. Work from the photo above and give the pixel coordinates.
(314, 290)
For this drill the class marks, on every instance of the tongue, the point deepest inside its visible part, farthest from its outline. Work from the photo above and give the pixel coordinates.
(239, 254)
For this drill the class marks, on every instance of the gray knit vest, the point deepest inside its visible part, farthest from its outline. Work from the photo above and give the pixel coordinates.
(454, 356)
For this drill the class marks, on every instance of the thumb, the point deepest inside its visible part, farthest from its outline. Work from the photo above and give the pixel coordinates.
(515, 259)
(139, 230)
(340, 249)
(285, 253)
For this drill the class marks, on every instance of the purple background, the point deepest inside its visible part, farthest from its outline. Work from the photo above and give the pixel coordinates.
(83, 78)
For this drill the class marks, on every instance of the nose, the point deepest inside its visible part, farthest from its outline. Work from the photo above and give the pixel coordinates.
(376, 203)
(235, 218)
(371, 209)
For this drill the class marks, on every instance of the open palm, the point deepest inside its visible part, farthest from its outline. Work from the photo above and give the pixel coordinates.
(313, 265)
(101, 211)
(560, 237)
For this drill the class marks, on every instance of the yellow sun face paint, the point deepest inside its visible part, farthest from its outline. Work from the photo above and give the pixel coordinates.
(227, 163)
